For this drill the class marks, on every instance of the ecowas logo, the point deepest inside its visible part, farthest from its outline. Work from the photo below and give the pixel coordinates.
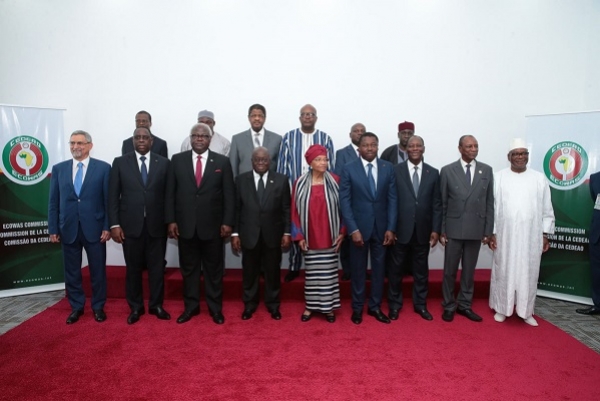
(25, 160)
(565, 165)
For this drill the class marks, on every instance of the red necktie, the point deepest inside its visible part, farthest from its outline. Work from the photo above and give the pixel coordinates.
(199, 171)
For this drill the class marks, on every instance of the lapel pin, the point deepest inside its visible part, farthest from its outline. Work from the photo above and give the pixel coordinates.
(479, 171)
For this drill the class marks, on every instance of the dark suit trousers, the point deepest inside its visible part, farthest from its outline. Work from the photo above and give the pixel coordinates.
(414, 254)
(466, 251)
(345, 254)
(192, 253)
(358, 279)
(595, 268)
(261, 257)
(140, 252)
(72, 256)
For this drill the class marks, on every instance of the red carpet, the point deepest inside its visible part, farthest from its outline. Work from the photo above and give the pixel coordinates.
(263, 359)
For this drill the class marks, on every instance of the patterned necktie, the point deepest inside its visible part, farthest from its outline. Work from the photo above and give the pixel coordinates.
(371, 180)
(144, 170)
(468, 175)
(416, 180)
(198, 171)
(78, 178)
(256, 140)
(260, 192)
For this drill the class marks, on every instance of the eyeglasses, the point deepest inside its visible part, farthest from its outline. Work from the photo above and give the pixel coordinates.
(198, 136)
(71, 143)
(308, 114)
(519, 154)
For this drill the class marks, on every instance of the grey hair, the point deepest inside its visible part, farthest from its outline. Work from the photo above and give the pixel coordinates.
(205, 127)
(88, 137)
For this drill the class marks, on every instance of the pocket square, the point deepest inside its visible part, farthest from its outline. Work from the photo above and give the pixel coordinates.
(218, 170)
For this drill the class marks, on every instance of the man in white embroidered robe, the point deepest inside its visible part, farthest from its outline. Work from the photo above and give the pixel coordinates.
(523, 218)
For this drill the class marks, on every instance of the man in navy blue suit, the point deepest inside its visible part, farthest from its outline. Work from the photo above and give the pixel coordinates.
(368, 202)
(343, 157)
(78, 218)
(418, 228)
(594, 247)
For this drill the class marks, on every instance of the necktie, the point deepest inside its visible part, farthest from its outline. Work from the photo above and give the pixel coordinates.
(260, 192)
(198, 171)
(468, 174)
(256, 140)
(144, 170)
(416, 180)
(78, 178)
(371, 180)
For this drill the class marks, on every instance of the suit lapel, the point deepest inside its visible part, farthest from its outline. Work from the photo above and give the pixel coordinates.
(476, 177)
(88, 175)
(404, 174)
(132, 164)
(460, 175)
(364, 179)
(251, 187)
(209, 169)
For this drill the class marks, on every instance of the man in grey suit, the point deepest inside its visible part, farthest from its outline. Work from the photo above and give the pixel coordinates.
(243, 144)
(344, 156)
(467, 188)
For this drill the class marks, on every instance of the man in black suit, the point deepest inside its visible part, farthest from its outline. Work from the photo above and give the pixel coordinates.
(200, 211)
(467, 187)
(143, 119)
(418, 228)
(261, 230)
(137, 220)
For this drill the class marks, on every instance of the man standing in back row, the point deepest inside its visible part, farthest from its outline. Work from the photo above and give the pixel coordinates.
(467, 187)
(218, 142)
(143, 119)
(293, 164)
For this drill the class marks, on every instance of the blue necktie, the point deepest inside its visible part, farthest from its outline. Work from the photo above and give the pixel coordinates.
(468, 175)
(144, 170)
(415, 179)
(78, 178)
(371, 180)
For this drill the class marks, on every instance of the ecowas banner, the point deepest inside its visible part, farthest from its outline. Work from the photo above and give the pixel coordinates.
(32, 141)
(565, 148)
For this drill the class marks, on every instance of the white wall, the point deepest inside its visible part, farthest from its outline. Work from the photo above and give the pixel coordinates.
(452, 67)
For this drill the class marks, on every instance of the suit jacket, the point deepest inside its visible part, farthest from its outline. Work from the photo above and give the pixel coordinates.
(467, 212)
(271, 217)
(130, 202)
(360, 210)
(66, 211)
(594, 191)
(422, 211)
(242, 145)
(159, 146)
(390, 154)
(344, 156)
(202, 210)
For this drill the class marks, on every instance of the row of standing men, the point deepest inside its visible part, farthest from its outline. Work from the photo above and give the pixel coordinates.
(410, 206)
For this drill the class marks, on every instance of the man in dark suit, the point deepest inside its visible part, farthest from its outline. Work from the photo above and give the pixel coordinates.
(594, 248)
(200, 211)
(418, 227)
(78, 218)
(244, 143)
(143, 119)
(397, 154)
(137, 220)
(467, 187)
(342, 157)
(262, 229)
(368, 201)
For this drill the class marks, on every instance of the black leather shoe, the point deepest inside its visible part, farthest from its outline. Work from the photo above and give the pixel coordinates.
(134, 316)
(330, 317)
(379, 315)
(160, 313)
(592, 310)
(345, 276)
(424, 313)
(99, 315)
(74, 316)
(275, 314)
(469, 314)
(187, 315)
(218, 318)
(291, 275)
(247, 314)
(448, 316)
(394, 313)
(304, 317)
(356, 317)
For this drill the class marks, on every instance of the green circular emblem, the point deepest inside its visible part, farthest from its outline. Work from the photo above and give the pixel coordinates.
(25, 160)
(565, 165)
